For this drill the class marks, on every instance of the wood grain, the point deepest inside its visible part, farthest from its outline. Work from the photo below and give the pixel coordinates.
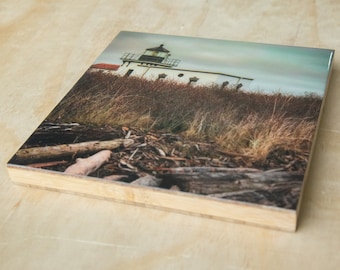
(269, 217)
(45, 46)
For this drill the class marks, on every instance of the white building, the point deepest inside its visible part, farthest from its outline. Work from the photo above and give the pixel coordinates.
(155, 64)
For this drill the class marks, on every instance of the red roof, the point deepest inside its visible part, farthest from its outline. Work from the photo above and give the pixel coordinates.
(105, 66)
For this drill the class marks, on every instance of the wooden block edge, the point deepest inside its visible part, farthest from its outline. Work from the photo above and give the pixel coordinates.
(175, 201)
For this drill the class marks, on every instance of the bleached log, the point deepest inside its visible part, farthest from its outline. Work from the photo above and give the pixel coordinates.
(175, 188)
(147, 180)
(48, 152)
(232, 193)
(47, 164)
(117, 177)
(85, 166)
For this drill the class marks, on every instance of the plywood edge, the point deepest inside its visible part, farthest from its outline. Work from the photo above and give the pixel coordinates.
(265, 216)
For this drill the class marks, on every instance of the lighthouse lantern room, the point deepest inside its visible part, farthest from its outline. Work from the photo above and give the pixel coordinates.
(157, 56)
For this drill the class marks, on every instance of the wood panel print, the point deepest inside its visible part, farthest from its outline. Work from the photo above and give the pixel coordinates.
(187, 124)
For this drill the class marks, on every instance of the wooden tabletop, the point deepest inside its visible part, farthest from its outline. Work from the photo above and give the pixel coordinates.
(45, 46)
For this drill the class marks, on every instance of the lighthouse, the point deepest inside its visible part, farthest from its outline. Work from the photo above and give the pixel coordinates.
(152, 57)
(158, 56)
(156, 64)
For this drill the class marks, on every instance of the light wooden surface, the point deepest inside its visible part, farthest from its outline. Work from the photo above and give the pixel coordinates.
(45, 46)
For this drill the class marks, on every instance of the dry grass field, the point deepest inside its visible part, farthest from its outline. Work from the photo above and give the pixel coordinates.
(242, 122)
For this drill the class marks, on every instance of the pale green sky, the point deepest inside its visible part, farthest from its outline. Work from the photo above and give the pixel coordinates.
(293, 70)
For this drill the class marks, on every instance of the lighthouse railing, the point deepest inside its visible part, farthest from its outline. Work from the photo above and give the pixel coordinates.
(132, 57)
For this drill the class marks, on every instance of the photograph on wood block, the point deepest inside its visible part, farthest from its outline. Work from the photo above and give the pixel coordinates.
(221, 119)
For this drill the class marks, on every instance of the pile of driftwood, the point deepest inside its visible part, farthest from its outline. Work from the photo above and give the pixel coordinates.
(168, 161)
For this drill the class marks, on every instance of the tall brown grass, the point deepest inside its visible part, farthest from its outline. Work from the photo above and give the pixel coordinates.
(238, 121)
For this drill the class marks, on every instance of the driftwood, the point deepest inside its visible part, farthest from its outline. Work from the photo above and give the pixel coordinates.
(117, 177)
(273, 187)
(147, 180)
(285, 195)
(231, 193)
(210, 180)
(175, 188)
(48, 152)
(85, 166)
(47, 164)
